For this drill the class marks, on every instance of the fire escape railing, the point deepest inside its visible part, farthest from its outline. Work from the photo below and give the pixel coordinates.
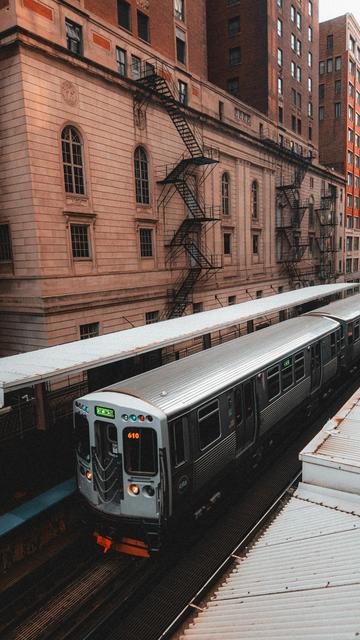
(326, 237)
(156, 78)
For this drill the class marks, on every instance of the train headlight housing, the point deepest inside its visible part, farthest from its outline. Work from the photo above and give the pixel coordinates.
(134, 489)
(89, 475)
(149, 491)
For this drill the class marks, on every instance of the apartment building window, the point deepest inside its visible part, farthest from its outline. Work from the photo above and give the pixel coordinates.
(293, 123)
(330, 42)
(292, 13)
(180, 45)
(135, 67)
(338, 63)
(234, 26)
(90, 330)
(349, 222)
(352, 67)
(349, 201)
(351, 90)
(321, 91)
(351, 113)
(299, 126)
(255, 244)
(293, 69)
(350, 157)
(121, 62)
(356, 203)
(298, 48)
(298, 74)
(179, 9)
(329, 65)
(143, 26)
(141, 176)
(74, 40)
(321, 113)
(233, 86)
(72, 155)
(146, 243)
(279, 27)
(227, 244)
(151, 317)
(225, 194)
(298, 20)
(5, 243)
(183, 92)
(337, 87)
(255, 200)
(310, 85)
(293, 42)
(351, 43)
(281, 115)
(310, 59)
(358, 76)
(321, 68)
(234, 56)
(310, 109)
(124, 14)
(348, 265)
(356, 243)
(280, 86)
(358, 98)
(337, 109)
(280, 57)
(357, 119)
(279, 3)
(350, 179)
(310, 34)
(80, 241)
(310, 8)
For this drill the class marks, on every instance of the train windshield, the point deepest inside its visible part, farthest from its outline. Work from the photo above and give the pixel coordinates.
(140, 451)
(82, 437)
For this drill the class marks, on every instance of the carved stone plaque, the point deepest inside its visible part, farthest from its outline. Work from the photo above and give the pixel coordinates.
(69, 93)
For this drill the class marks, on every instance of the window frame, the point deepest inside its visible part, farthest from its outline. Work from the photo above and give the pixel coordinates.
(70, 24)
(203, 418)
(74, 241)
(6, 252)
(74, 175)
(142, 177)
(143, 21)
(225, 194)
(144, 244)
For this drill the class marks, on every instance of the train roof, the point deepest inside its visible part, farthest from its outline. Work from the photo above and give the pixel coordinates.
(345, 310)
(190, 381)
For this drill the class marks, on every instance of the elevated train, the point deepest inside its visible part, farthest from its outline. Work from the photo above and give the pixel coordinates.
(153, 447)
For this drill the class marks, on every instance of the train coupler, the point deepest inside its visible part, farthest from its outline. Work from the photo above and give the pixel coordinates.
(130, 546)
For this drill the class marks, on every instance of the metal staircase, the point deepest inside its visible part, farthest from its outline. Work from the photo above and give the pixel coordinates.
(156, 80)
(326, 235)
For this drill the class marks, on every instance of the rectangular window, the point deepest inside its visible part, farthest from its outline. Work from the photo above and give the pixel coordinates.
(293, 42)
(90, 330)
(279, 27)
(351, 90)
(321, 91)
(280, 57)
(310, 7)
(197, 307)
(135, 67)
(177, 442)
(151, 317)
(183, 92)
(338, 63)
(121, 62)
(321, 68)
(179, 10)
(233, 86)
(234, 56)
(74, 37)
(234, 26)
(310, 59)
(321, 113)
(231, 300)
(329, 65)
(273, 382)
(298, 48)
(310, 34)
(143, 26)
(310, 85)
(5, 243)
(80, 241)
(180, 46)
(255, 244)
(124, 14)
(287, 374)
(140, 450)
(298, 20)
(292, 13)
(330, 41)
(146, 243)
(337, 109)
(227, 244)
(280, 86)
(337, 87)
(209, 424)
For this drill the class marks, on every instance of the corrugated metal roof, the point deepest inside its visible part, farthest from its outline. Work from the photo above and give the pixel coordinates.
(191, 380)
(346, 310)
(299, 580)
(46, 364)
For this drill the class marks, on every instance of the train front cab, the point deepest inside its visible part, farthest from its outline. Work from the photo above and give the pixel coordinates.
(122, 469)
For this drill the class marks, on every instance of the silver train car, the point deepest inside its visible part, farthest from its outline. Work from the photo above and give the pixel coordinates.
(152, 448)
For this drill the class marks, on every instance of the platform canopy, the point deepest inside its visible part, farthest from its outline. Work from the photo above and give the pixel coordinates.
(46, 364)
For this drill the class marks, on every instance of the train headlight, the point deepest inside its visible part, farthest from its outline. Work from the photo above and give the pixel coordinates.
(89, 475)
(134, 489)
(149, 491)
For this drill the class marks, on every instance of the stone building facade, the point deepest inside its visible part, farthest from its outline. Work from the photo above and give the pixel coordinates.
(110, 215)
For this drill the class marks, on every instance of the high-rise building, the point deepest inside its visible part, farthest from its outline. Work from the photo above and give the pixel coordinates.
(339, 119)
(266, 53)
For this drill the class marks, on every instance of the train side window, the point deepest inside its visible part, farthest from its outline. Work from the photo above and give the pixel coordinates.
(209, 424)
(340, 338)
(356, 331)
(273, 381)
(177, 441)
(82, 436)
(299, 366)
(238, 405)
(287, 374)
(350, 334)
(333, 345)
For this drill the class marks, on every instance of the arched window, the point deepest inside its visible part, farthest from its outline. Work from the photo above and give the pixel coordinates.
(255, 200)
(73, 163)
(225, 194)
(141, 176)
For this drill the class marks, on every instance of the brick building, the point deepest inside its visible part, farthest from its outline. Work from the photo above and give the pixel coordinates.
(133, 188)
(339, 119)
(266, 53)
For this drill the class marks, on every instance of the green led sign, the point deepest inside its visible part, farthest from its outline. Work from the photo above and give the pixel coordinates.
(286, 363)
(104, 412)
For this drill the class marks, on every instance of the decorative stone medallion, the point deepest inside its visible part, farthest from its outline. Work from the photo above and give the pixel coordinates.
(144, 4)
(69, 93)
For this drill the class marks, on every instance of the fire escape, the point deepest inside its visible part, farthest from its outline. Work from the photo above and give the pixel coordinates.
(156, 80)
(326, 236)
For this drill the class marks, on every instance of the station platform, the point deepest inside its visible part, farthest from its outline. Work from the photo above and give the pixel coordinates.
(300, 577)
(21, 515)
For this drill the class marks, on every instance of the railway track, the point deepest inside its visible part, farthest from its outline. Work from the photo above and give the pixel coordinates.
(117, 597)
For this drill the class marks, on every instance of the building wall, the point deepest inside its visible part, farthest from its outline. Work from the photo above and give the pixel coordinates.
(340, 120)
(46, 294)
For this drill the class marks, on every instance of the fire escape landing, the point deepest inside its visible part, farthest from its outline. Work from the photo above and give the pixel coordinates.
(156, 80)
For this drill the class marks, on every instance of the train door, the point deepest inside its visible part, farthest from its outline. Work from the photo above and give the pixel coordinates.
(315, 366)
(181, 465)
(245, 415)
